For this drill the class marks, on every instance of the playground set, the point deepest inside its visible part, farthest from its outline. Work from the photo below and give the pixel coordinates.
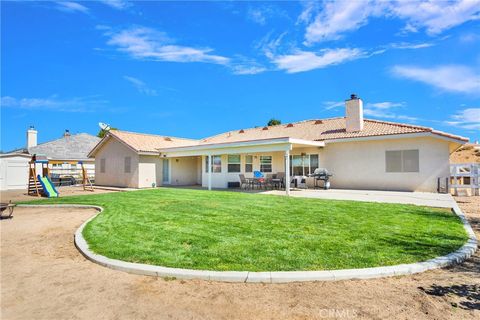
(40, 183)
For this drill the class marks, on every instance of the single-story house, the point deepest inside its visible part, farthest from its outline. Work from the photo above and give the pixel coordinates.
(360, 153)
(64, 154)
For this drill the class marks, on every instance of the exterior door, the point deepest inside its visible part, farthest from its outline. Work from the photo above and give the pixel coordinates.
(165, 171)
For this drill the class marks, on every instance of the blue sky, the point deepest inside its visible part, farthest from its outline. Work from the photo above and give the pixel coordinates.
(195, 69)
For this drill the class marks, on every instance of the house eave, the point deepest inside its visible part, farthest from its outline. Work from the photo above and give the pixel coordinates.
(273, 144)
(460, 140)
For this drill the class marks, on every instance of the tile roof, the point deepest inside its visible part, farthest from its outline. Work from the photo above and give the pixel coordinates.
(73, 147)
(322, 129)
(142, 142)
(316, 130)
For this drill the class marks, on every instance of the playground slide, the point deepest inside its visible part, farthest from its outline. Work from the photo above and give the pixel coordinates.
(48, 187)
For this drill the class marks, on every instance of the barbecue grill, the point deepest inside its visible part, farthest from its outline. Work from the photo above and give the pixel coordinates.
(321, 174)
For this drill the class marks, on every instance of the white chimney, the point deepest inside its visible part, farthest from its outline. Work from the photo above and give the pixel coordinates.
(354, 114)
(31, 137)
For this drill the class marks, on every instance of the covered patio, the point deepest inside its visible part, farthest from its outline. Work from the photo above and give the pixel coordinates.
(222, 164)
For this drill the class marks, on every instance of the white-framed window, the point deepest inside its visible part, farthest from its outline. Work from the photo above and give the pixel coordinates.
(301, 165)
(102, 165)
(216, 164)
(248, 163)
(234, 164)
(128, 164)
(265, 163)
(402, 161)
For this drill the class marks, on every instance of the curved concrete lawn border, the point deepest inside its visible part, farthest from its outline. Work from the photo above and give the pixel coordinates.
(275, 276)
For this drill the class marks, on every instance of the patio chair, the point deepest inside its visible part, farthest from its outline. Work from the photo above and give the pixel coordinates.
(244, 182)
(269, 180)
(281, 177)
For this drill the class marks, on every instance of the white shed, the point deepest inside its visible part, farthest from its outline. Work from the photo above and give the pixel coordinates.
(14, 170)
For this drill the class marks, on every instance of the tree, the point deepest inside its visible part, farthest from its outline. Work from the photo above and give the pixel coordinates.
(102, 132)
(274, 122)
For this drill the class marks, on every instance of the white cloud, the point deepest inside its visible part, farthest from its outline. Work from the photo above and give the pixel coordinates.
(385, 105)
(310, 9)
(242, 69)
(452, 78)
(467, 119)
(257, 16)
(328, 105)
(140, 86)
(386, 110)
(146, 43)
(338, 17)
(260, 14)
(117, 4)
(76, 104)
(70, 6)
(301, 61)
(408, 45)
(436, 16)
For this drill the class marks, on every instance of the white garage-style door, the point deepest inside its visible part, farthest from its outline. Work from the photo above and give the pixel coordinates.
(13, 173)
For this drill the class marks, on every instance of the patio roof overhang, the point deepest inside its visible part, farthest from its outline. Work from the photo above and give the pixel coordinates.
(250, 146)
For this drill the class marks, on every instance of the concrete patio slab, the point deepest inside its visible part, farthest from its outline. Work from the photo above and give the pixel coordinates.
(418, 198)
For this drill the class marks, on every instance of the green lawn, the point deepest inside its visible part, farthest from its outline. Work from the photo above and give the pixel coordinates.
(219, 230)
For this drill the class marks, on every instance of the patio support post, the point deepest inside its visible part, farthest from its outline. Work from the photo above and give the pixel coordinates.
(209, 172)
(287, 172)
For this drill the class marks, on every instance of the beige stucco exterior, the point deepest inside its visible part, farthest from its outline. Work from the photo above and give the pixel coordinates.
(145, 170)
(355, 164)
(361, 164)
(114, 153)
(184, 171)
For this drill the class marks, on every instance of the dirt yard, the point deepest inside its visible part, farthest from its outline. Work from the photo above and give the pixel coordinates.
(43, 276)
(19, 195)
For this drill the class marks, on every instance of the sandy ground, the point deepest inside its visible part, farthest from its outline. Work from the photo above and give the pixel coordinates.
(43, 276)
(17, 195)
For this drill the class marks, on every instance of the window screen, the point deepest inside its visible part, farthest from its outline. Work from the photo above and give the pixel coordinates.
(216, 164)
(402, 161)
(248, 163)
(128, 164)
(234, 163)
(266, 163)
(102, 165)
(410, 161)
(393, 161)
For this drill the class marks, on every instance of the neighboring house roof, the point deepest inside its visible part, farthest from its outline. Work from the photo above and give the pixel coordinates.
(73, 147)
(144, 143)
(323, 129)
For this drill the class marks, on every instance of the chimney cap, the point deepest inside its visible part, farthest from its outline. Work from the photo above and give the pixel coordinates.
(353, 96)
(32, 127)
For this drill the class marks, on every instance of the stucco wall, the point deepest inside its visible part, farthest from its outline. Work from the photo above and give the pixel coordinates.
(183, 171)
(361, 165)
(114, 153)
